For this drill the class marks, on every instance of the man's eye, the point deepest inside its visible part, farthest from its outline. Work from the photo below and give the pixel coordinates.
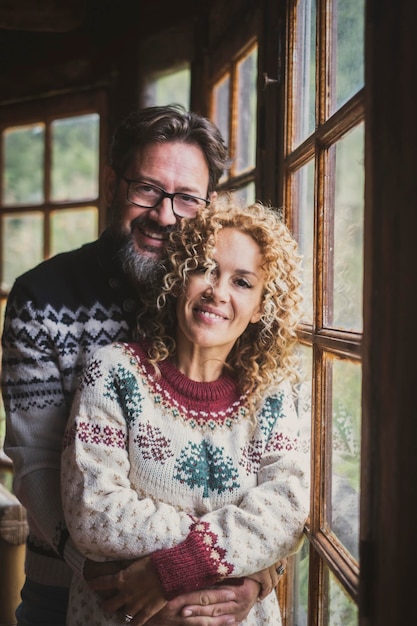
(186, 199)
(146, 189)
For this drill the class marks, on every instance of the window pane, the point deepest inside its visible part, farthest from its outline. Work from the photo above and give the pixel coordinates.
(75, 158)
(303, 200)
(70, 228)
(247, 71)
(346, 427)
(168, 87)
(22, 245)
(23, 165)
(221, 100)
(246, 194)
(304, 97)
(341, 610)
(348, 232)
(350, 49)
(300, 584)
(304, 392)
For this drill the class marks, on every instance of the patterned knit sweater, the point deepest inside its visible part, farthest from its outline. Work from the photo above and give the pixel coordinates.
(57, 315)
(167, 466)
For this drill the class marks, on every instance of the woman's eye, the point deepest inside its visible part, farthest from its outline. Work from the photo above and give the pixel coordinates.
(241, 282)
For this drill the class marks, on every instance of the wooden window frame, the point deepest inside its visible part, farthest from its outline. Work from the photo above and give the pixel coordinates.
(46, 111)
(323, 340)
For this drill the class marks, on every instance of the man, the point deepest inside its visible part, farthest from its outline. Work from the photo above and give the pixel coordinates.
(165, 164)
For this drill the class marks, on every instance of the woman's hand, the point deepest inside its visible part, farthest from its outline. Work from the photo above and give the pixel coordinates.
(269, 578)
(222, 605)
(136, 609)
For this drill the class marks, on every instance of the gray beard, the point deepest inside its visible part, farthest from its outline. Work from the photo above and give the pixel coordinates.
(140, 268)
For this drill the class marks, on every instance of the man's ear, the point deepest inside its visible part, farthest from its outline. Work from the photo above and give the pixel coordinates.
(109, 184)
(213, 196)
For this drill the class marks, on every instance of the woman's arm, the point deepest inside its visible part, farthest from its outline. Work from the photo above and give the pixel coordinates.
(109, 520)
(266, 525)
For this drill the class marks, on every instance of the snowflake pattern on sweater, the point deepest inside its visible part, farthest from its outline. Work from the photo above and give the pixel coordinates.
(166, 466)
(57, 315)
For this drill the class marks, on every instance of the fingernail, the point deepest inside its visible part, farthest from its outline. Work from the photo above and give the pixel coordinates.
(187, 613)
(230, 596)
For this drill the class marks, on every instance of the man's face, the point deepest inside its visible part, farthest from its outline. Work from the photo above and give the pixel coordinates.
(174, 167)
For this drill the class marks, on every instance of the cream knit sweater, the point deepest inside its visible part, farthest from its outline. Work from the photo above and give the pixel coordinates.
(167, 466)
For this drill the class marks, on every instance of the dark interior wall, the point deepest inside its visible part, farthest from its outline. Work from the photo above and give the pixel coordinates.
(98, 49)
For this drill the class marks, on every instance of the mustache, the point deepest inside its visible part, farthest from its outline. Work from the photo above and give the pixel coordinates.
(145, 222)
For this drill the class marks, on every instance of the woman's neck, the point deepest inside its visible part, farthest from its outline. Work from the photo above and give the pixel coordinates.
(199, 364)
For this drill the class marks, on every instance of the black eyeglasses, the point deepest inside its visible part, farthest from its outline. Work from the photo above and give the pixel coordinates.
(148, 196)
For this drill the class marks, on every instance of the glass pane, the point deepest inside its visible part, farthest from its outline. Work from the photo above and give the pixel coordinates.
(24, 149)
(300, 585)
(70, 228)
(303, 200)
(341, 610)
(348, 232)
(75, 158)
(247, 71)
(246, 194)
(304, 392)
(221, 103)
(22, 245)
(304, 98)
(350, 18)
(168, 87)
(346, 430)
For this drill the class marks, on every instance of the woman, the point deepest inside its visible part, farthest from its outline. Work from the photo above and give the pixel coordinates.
(184, 448)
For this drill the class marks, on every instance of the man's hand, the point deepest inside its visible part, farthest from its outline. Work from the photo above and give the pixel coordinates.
(224, 605)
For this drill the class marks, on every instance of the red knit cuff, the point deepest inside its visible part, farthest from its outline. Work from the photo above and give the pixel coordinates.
(195, 563)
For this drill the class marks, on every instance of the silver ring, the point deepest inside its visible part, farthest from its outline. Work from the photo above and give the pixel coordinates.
(280, 570)
(127, 618)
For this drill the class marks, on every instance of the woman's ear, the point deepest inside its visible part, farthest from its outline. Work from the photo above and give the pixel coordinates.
(256, 316)
(109, 184)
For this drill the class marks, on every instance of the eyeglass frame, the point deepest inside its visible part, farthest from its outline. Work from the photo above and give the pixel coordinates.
(164, 194)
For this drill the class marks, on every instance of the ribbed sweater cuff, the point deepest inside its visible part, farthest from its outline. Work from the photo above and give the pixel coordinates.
(195, 563)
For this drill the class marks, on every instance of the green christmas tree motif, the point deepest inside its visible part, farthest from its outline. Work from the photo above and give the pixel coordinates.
(121, 386)
(204, 465)
(270, 412)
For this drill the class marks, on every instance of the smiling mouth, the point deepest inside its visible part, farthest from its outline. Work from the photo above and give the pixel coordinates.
(150, 232)
(210, 314)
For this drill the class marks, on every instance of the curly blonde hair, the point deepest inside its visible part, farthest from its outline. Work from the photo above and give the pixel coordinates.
(264, 353)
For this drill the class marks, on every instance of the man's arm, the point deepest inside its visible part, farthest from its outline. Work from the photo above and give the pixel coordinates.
(224, 604)
(36, 413)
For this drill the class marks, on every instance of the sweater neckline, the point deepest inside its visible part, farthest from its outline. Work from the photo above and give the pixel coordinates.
(223, 388)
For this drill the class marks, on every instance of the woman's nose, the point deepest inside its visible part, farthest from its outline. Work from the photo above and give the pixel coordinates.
(219, 289)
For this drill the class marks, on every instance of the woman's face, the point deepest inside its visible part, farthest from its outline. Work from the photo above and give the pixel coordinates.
(214, 315)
